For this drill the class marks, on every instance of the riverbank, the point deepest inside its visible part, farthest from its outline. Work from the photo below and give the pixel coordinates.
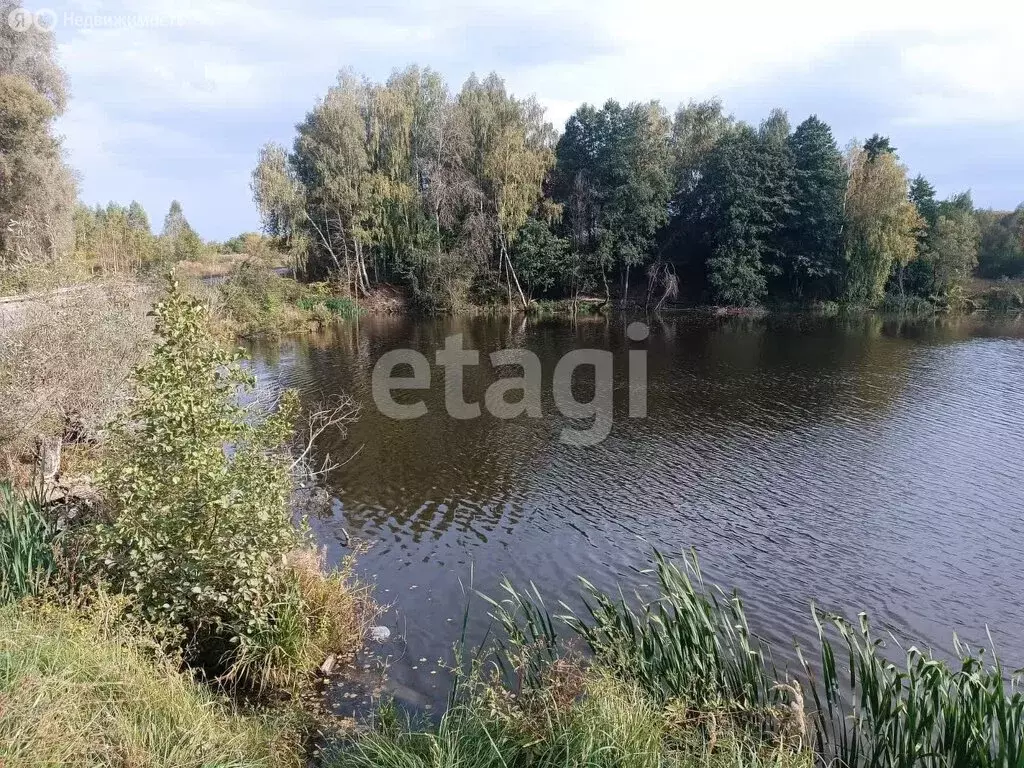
(626, 686)
(177, 575)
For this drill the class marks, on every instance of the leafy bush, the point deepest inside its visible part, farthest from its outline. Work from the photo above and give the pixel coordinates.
(199, 494)
(261, 303)
(83, 691)
(27, 539)
(1002, 299)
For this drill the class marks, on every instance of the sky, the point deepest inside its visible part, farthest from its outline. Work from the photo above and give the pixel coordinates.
(174, 99)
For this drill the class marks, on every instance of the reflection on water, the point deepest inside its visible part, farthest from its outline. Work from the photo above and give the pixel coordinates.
(865, 464)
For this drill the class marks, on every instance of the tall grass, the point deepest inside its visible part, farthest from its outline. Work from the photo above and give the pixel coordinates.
(924, 713)
(77, 691)
(610, 723)
(27, 557)
(691, 651)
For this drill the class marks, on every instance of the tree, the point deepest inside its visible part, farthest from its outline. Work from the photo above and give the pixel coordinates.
(180, 240)
(878, 145)
(541, 258)
(922, 195)
(812, 237)
(1001, 253)
(613, 178)
(954, 250)
(508, 153)
(738, 207)
(137, 218)
(881, 224)
(37, 190)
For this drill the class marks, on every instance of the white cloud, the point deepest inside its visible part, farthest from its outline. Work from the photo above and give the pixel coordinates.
(272, 59)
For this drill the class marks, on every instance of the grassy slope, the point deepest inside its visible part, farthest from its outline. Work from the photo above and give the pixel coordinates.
(76, 692)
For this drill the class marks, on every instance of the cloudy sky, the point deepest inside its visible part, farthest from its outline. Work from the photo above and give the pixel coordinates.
(176, 103)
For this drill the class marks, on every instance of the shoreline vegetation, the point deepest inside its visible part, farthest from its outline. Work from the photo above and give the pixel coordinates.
(162, 601)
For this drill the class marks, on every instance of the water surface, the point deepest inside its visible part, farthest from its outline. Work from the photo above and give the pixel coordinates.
(863, 464)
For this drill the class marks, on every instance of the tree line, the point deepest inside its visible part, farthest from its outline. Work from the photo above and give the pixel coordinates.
(473, 197)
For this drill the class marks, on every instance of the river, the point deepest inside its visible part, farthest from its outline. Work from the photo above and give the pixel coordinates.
(865, 464)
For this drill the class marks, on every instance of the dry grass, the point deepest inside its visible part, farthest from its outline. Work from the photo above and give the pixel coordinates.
(69, 355)
(75, 691)
(323, 613)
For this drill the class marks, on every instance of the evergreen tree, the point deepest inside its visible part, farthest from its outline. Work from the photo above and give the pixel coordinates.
(812, 238)
(741, 200)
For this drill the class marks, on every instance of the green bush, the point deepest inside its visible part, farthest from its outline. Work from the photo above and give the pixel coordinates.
(199, 496)
(1002, 299)
(27, 540)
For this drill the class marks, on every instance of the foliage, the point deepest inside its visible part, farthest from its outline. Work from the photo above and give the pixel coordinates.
(198, 491)
(811, 249)
(612, 180)
(403, 182)
(115, 239)
(27, 540)
(738, 207)
(925, 713)
(84, 690)
(257, 302)
(577, 718)
(180, 242)
(37, 189)
(1001, 252)
(691, 651)
(882, 224)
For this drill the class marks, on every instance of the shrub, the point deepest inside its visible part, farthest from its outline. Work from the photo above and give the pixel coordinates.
(1002, 299)
(199, 495)
(77, 691)
(70, 354)
(261, 303)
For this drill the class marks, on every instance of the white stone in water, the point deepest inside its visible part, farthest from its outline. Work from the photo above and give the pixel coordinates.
(379, 634)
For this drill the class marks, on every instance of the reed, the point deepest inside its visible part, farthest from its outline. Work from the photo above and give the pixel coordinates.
(691, 651)
(922, 712)
(27, 557)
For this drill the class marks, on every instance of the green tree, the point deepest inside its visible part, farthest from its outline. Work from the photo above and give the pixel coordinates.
(181, 243)
(953, 252)
(922, 195)
(740, 204)
(613, 177)
(812, 237)
(878, 145)
(881, 225)
(1001, 253)
(541, 258)
(198, 491)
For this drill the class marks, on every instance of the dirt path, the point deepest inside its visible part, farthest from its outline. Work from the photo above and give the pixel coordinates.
(15, 310)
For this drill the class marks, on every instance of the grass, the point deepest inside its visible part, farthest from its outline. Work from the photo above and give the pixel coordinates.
(258, 302)
(712, 695)
(579, 718)
(323, 612)
(27, 556)
(923, 712)
(75, 690)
